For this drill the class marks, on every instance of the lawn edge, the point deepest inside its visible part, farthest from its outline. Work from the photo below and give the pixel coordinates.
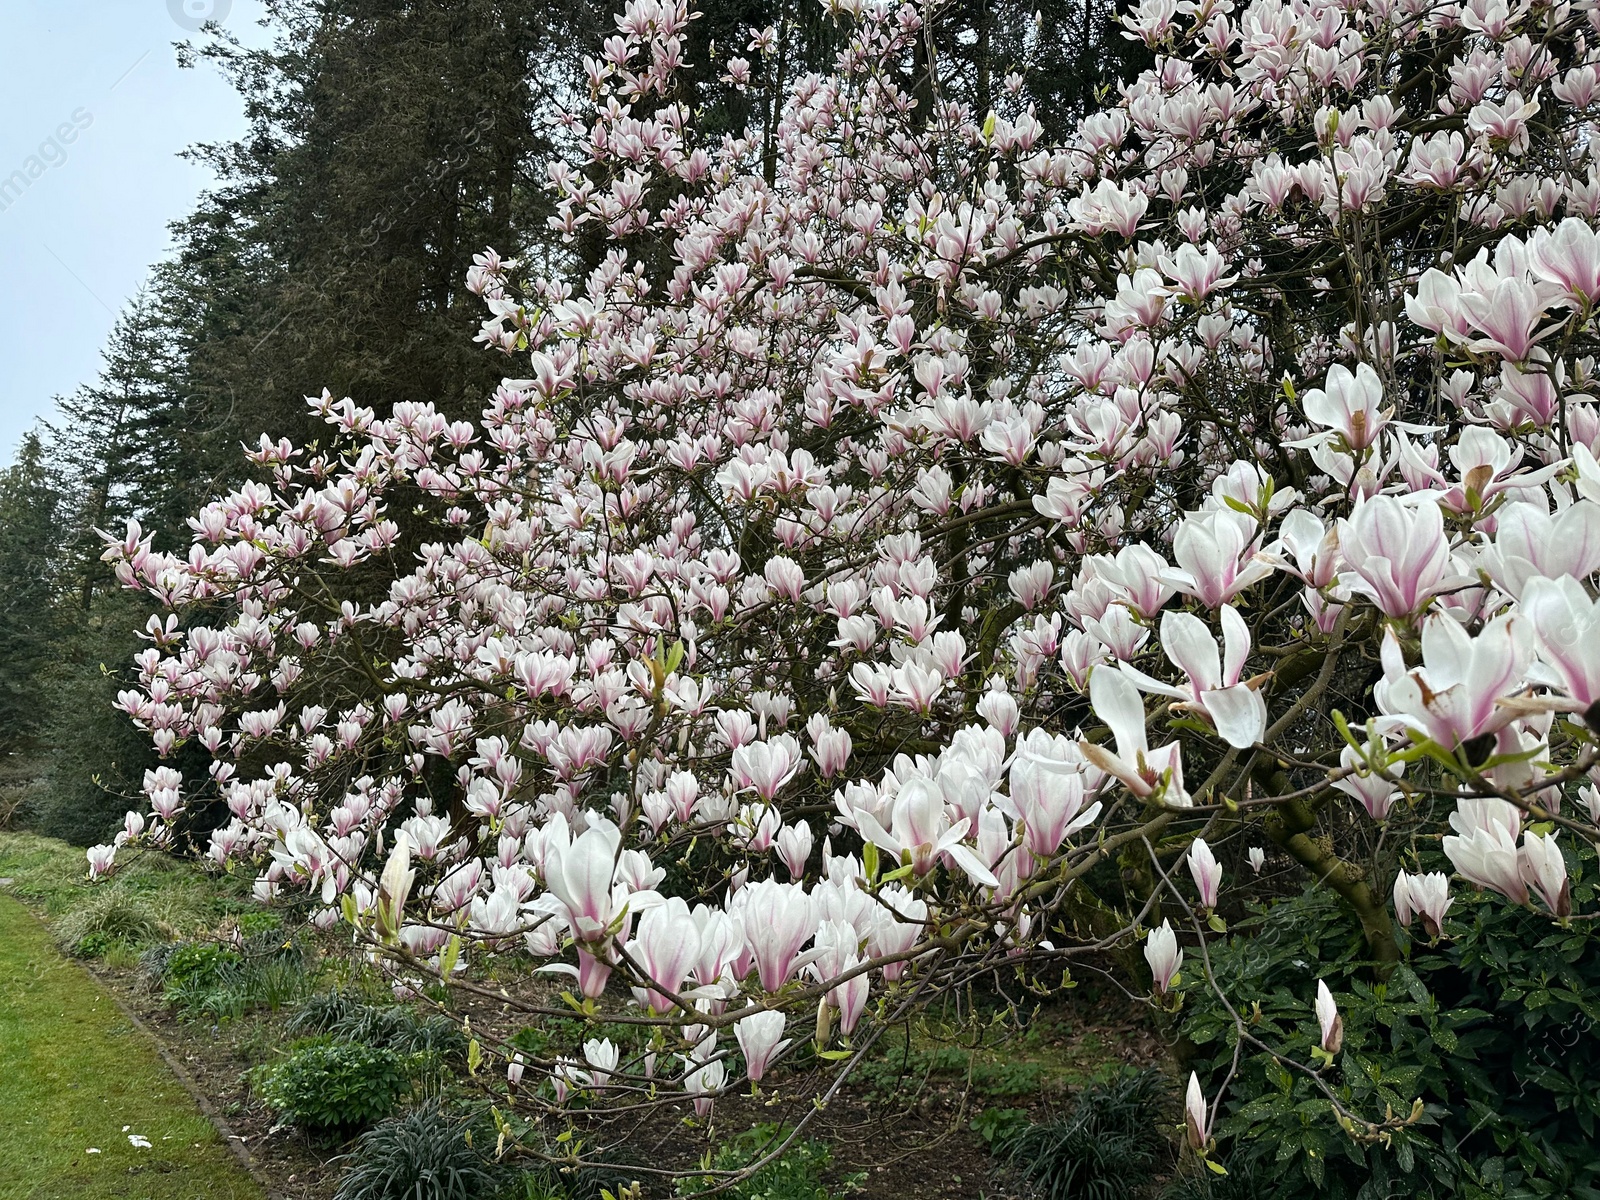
(235, 1144)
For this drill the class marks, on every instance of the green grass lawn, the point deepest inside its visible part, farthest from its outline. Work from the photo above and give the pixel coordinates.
(75, 1076)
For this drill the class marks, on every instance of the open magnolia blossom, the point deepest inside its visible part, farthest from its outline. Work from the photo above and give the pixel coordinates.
(856, 482)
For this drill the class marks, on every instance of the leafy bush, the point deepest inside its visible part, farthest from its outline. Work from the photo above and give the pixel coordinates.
(563, 1035)
(200, 964)
(421, 1154)
(329, 1086)
(258, 922)
(1491, 1029)
(1107, 1148)
(797, 1175)
(997, 1125)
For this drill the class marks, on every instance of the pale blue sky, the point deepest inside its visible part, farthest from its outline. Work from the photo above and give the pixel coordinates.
(81, 238)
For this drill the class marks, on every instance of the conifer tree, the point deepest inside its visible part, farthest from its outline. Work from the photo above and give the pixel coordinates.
(121, 448)
(28, 535)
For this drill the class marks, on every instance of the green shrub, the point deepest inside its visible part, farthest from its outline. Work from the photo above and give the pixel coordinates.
(1493, 1030)
(996, 1126)
(423, 1154)
(1108, 1148)
(200, 964)
(92, 945)
(795, 1176)
(326, 1086)
(258, 922)
(554, 1036)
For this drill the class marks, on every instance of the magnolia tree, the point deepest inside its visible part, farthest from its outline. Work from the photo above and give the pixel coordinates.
(939, 556)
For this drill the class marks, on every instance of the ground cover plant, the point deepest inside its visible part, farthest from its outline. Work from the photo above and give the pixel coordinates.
(425, 1152)
(910, 557)
(1101, 1149)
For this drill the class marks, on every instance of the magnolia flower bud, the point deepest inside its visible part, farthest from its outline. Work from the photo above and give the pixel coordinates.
(1328, 1017)
(760, 1037)
(1545, 871)
(393, 887)
(1206, 870)
(1194, 1114)
(1162, 953)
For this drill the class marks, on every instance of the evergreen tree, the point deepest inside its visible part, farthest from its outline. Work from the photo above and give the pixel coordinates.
(28, 537)
(389, 142)
(121, 447)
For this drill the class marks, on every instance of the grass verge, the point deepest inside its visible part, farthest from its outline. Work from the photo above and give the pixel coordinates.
(152, 897)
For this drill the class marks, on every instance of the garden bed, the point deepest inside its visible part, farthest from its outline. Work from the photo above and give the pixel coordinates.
(935, 1097)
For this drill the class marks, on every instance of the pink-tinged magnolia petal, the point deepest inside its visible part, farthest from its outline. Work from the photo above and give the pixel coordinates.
(868, 827)
(1566, 624)
(1148, 683)
(1083, 820)
(1205, 869)
(1191, 647)
(1162, 953)
(1545, 871)
(760, 1037)
(1397, 551)
(1488, 858)
(1116, 702)
(1391, 655)
(1117, 767)
(1236, 645)
(1569, 258)
(1455, 695)
(972, 865)
(1529, 542)
(1447, 650)
(1350, 405)
(1239, 713)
